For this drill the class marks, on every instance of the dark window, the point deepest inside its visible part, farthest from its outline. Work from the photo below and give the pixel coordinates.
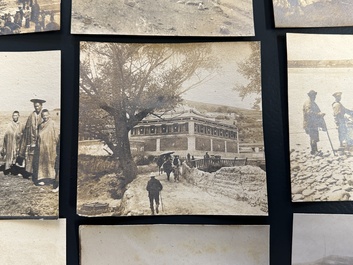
(164, 128)
(153, 129)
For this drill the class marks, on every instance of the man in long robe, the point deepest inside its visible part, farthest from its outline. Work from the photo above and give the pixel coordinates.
(11, 142)
(30, 134)
(46, 151)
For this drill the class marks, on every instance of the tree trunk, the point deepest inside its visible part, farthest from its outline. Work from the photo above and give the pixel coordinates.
(122, 149)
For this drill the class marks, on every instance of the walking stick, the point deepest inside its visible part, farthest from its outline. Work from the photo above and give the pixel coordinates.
(329, 139)
(160, 195)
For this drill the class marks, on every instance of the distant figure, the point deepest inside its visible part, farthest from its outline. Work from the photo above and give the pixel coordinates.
(45, 153)
(11, 143)
(188, 157)
(193, 162)
(168, 167)
(339, 112)
(52, 25)
(313, 120)
(160, 162)
(176, 169)
(206, 159)
(35, 12)
(154, 187)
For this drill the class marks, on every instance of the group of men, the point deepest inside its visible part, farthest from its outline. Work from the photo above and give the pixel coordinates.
(29, 13)
(314, 120)
(33, 149)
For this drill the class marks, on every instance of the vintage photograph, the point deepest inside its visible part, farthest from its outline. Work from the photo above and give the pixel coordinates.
(312, 13)
(322, 239)
(320, 105)
(163, 17)
(27, 16)
(174, 244)
(171, 129)
(33, 242)
(29, 134)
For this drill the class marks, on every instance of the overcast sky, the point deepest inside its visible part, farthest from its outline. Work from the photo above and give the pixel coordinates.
(319, 47)
(319, 235)
(27, 75)
(220, 89)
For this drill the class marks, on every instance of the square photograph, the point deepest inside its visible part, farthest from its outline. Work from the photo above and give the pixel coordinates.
(163, 17)
(322, 239)
(171, 129)
(174, 244)
(320, 116)
(28, 16)
(29, 134)
(312, 13)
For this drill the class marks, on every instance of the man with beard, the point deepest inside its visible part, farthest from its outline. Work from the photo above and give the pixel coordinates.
(11, 142)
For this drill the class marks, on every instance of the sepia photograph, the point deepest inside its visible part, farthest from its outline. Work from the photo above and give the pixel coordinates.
(29, 134)
(174, 244)
(312, 13)
(171, 129)
(320, 105)
(28, 16)
(322, 239)
(163, 17)
(33, 242)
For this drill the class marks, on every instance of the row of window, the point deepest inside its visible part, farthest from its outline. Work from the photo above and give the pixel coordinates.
(208, 130)
(160, 129)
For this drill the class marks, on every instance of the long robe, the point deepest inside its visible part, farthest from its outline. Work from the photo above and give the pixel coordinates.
(11, 142)
(29, 137)
(45, 154)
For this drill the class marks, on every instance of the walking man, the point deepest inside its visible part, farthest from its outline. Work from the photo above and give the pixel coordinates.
(313, 120)
(154, 186)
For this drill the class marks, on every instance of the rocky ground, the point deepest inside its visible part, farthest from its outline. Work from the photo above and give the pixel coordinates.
(163, 17)
(20, 197)
(321, 178)
(220, 193)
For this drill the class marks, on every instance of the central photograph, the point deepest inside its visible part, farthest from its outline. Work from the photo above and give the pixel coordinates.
(171, 129)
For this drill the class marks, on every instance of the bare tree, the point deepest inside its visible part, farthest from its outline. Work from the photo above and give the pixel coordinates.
(121, 84)
(251, 69)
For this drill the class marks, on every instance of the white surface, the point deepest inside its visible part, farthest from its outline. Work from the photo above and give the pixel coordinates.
(174, 244)
(33, 242)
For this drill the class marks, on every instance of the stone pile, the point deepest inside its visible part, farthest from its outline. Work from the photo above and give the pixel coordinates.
(242, 183)
(321, 178)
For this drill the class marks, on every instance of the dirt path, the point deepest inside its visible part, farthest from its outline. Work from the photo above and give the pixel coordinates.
(181, 198)
(20, 197)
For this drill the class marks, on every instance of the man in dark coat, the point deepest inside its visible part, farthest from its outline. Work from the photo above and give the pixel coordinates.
(154, 186)
(168, 167)
(313, 120)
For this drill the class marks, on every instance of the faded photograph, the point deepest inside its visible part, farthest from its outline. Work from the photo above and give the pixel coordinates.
(322, 239)
(312, 13)
(320, 104)
(27, 16)
(33, 242)
(29, 134)
(171, 129)
(174, 244)
(163, 17)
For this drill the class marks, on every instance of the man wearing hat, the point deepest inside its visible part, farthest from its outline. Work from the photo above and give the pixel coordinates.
(30, 134)
(313, 120)
(154, 186)
(339, 112)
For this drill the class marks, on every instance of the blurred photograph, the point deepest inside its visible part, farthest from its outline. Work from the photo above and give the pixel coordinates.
(28, 16)
(163, 17)
(322, 239)
(174, 244)
(312, 13)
